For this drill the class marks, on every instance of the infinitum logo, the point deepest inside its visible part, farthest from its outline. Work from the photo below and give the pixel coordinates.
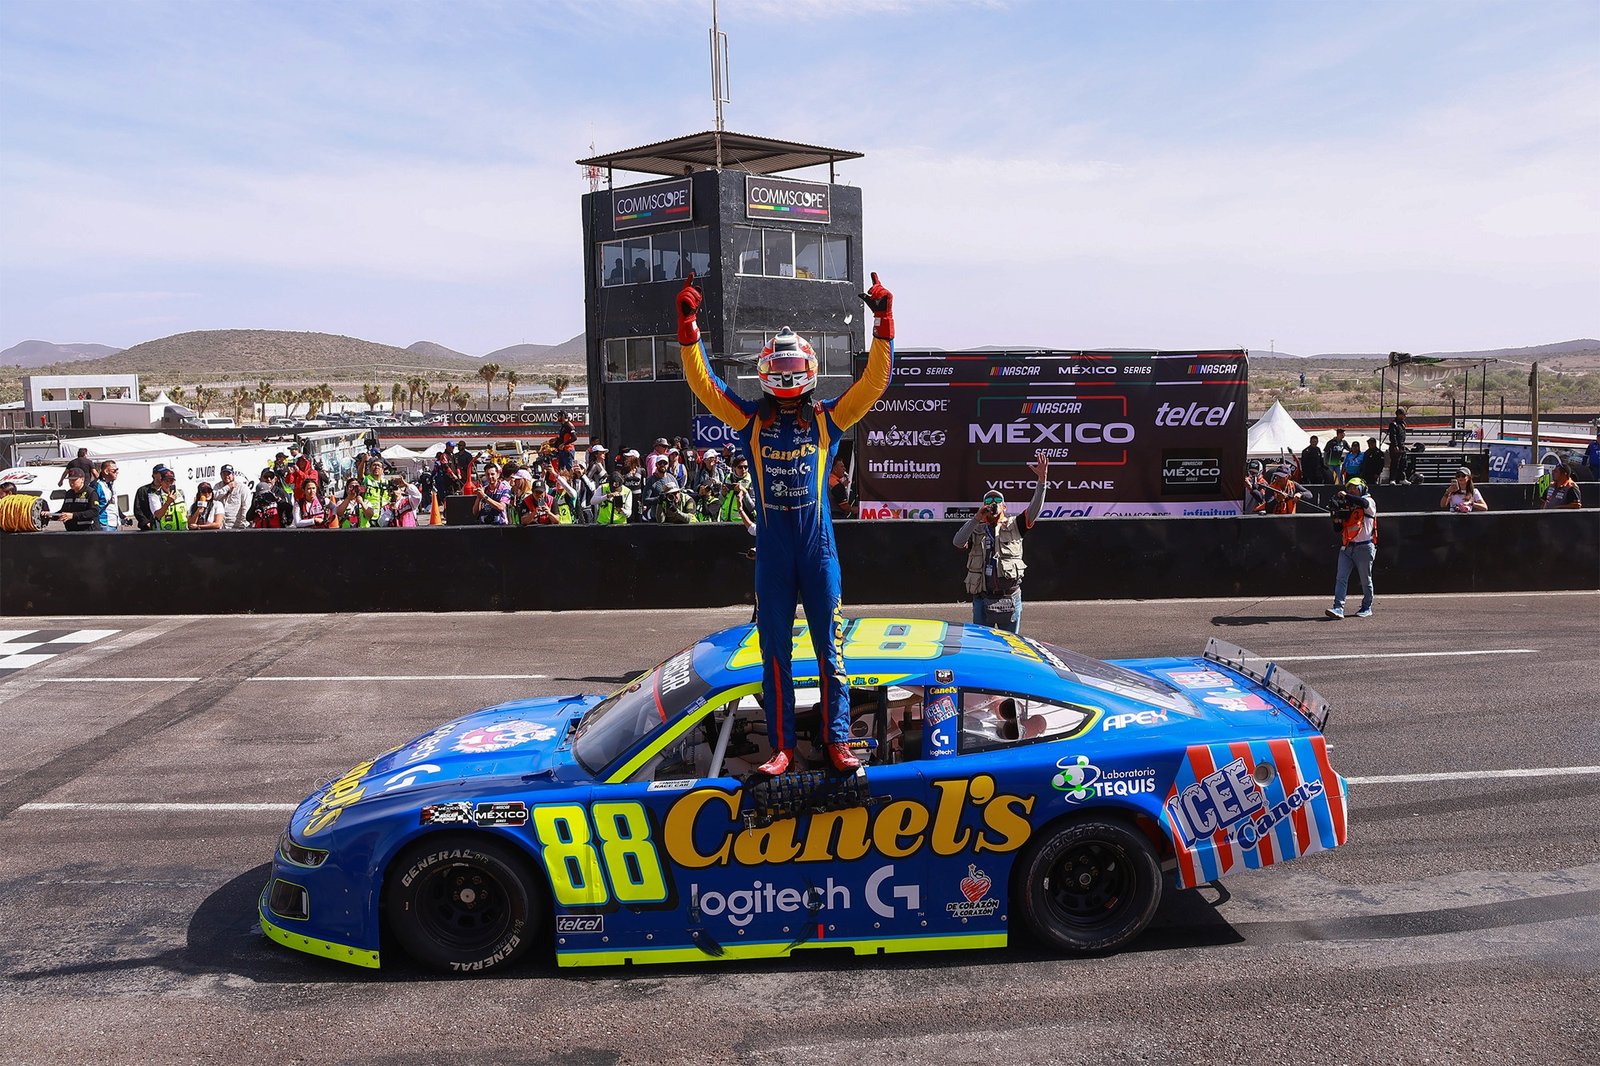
(903, 470)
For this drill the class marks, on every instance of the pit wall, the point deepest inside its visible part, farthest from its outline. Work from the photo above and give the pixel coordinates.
(646, 567)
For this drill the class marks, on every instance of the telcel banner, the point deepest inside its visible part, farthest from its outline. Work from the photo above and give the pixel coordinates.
(1127, 433)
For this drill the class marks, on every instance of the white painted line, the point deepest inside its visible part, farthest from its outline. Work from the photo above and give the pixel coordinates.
(92, 680)
(1474, 775)
(121, 808)
(412, 677)
(1403, 655)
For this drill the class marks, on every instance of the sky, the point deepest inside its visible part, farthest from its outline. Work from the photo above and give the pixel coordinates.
(1305, 177)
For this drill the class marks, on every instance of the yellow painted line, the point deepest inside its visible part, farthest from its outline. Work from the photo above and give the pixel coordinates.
(779, 949)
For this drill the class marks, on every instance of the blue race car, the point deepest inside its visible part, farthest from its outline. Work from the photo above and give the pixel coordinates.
(1004, 778)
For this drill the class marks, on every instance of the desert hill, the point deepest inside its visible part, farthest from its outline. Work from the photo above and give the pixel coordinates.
(435, 351)
(32, 354)
(281, 355)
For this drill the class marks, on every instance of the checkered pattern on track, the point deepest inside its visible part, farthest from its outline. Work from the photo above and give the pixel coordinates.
(22, 648)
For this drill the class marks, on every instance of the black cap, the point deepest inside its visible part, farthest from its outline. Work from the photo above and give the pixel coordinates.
(227, 468)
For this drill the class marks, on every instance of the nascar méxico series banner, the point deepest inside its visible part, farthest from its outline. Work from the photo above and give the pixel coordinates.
(1127, 433)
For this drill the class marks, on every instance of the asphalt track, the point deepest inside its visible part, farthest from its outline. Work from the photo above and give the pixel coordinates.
(1462, 921)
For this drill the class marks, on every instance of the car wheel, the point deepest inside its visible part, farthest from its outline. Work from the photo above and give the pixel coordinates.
(463, 905)
(1090, 885)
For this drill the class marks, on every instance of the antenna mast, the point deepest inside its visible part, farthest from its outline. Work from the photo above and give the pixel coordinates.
(719, 78)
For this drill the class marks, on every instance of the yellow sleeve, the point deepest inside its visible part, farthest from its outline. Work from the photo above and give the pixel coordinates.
(710, 390)
(858, 399)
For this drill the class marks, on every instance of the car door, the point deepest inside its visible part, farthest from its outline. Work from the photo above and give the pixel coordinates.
(740, 876)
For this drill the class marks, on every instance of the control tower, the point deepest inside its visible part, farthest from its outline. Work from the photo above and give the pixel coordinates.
(767, 250)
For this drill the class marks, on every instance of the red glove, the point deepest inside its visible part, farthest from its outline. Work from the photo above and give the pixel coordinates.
(881, 301)
(689, 299)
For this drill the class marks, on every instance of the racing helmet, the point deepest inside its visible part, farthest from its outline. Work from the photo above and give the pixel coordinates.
(1254, 466)
(787, 367)
(1356, 485)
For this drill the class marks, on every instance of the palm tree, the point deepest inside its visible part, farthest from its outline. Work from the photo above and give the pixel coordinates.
(175, 393)
(462, 399)
(370, 395)
(416, 389)
(397, 396)
(559, 384)
(488, 372)
(204, 397)
(263, 393)
(287, 397)
(432, 397)
(239, 398)
(513, 379)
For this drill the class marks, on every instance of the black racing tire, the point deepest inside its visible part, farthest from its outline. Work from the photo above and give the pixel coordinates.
(1090, 885)
(463, 904)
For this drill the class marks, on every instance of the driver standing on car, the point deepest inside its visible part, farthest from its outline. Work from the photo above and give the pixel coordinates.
(790, 438)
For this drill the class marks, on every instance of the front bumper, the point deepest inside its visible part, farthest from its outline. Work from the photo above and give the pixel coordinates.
(284, 932)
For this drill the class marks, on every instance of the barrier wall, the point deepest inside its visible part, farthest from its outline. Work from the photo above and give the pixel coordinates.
(640, 567)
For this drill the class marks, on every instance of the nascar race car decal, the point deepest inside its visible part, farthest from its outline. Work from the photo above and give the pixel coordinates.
(1006, 780)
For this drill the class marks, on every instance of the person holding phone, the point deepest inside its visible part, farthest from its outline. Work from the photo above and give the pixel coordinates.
(1462, 496)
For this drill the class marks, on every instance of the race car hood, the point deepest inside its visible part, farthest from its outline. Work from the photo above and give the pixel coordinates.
(523, 738)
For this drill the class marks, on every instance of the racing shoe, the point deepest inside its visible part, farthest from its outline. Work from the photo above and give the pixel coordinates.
(778, 764)
(844, 760)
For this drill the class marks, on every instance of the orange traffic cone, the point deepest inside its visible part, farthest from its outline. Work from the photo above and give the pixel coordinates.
(434, 518)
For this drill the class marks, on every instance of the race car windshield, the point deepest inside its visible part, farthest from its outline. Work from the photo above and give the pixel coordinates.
(641, 707)
(1126, 683)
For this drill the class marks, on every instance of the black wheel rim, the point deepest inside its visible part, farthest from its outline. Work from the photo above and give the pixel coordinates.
(464, 907)
(1091, 884)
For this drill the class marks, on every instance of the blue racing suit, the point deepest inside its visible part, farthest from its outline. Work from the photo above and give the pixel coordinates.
(795, 557)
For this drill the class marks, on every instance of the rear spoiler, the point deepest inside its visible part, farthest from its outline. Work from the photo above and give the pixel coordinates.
(1272, 677)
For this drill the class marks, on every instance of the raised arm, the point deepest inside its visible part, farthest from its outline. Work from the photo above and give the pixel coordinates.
(1041, 470)
(707, 387)
(858, 399)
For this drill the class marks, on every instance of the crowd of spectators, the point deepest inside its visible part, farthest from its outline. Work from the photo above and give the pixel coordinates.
(671, 483)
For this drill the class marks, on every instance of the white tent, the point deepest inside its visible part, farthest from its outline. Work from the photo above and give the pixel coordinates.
(408, 462)
(1276, 434)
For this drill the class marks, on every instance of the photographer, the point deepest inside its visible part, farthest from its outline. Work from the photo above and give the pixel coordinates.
(1356, 515)
(353, 511)
(993, 542)
(493, 501)
(271, 507)
(616, 502)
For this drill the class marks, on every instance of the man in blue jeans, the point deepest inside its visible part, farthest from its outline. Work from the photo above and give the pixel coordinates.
(992, 540)
(1358, 535)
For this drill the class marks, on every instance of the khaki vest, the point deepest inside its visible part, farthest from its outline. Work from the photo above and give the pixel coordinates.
(1008, 552)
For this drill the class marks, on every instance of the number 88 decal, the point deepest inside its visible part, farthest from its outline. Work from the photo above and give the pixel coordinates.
(624, 867)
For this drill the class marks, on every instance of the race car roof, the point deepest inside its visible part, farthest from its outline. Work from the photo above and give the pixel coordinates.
(908, 650)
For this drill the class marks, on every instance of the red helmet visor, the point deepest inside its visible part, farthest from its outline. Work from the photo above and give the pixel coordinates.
(778, 365)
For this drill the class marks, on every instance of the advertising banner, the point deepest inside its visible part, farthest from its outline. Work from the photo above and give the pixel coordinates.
(785, 200)
(1127, 433)
(712, 432)
(651, 205)
(1506, 459)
